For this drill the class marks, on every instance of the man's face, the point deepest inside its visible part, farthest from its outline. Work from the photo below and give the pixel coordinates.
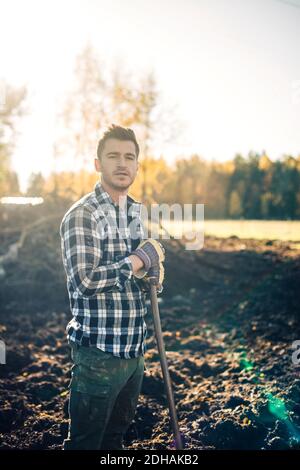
(118, 164)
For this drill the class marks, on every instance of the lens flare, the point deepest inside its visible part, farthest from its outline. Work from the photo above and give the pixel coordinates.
(276, 406)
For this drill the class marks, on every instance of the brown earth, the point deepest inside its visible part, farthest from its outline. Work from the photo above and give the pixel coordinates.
(229, 314)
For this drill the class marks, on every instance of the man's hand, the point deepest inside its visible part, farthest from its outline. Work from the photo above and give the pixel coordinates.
(157, 274)
(156, 253)
(151, 252)
(145, 279)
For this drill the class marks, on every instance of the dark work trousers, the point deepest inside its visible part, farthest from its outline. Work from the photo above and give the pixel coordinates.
(104, 393)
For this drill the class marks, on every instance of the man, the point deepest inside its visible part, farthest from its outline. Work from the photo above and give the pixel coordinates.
(105, 258)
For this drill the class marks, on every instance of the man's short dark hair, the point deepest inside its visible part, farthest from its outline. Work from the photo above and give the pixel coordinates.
(120, 133)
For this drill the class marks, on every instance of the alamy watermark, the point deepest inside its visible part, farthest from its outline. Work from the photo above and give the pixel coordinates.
(2, 352)
(296, 353)
(163, 221)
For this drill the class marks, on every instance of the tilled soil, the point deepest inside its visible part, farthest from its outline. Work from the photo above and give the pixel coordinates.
(229, 314)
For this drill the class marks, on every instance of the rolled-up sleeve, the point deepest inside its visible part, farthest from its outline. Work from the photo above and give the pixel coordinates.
(82, 251)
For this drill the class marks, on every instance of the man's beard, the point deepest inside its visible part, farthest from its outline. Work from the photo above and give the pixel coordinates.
(116, 186)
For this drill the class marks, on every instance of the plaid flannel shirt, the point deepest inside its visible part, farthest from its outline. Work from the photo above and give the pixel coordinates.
(106, 300)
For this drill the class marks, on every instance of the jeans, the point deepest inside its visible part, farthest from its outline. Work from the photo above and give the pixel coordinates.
(104, 391)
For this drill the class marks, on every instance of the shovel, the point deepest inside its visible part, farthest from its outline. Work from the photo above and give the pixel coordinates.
(164, 364)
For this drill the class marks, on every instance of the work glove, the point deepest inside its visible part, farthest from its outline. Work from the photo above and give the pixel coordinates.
(158, 273)
(156, 254)
(144, 278)
(151, 252)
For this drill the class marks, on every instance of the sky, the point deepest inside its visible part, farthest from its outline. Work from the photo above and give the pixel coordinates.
(231, 68)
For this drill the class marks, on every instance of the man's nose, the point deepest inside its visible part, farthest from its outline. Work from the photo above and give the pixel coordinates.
(122, 162)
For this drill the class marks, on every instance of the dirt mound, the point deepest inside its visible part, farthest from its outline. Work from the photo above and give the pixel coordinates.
(229, 316)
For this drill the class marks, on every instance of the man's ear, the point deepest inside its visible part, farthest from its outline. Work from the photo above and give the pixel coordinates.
(97, 164)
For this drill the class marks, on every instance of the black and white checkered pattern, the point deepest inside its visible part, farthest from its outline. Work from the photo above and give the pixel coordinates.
(107, 303)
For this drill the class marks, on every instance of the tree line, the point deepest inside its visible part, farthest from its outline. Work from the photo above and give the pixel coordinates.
(251, 187)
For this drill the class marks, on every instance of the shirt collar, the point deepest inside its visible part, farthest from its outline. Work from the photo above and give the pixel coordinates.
(103, 196)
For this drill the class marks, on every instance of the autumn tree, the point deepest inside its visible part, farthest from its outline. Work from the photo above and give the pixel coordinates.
(11, 110)
(101, 97)
(36, 185)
